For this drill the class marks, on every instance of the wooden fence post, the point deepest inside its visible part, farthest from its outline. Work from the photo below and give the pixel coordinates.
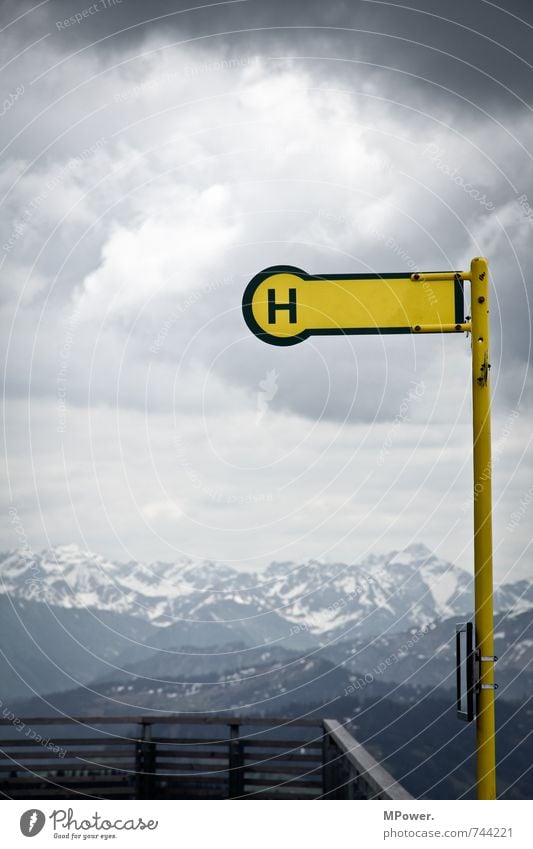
(235, 764)
(145, 764)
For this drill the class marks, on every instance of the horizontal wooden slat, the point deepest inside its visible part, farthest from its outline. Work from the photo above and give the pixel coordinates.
(68, 764)
(250, 769)
(191, 753)
(102, 793)
(62, 784)
(286, 744)
(86, 792)
(189, 782)
(190, 766)
(290, 782)
(269, 795)
(109, 740)
(192, 791)
(72, 766)
(74, 752)
(273, 723)
(209, 769)
(101, 739)
(14, 765)
(268, 757)
(191, 741)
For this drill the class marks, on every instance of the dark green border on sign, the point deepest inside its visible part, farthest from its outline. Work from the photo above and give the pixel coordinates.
(259, 278)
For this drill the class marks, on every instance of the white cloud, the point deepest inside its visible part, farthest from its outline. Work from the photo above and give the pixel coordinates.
(171, 252)
(203, 179)
(165, 510)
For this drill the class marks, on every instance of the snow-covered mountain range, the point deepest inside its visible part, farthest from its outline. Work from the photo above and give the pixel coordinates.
(386, 593)
(71, 618)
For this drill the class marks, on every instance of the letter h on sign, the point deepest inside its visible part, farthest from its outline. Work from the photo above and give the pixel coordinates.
(273, 306)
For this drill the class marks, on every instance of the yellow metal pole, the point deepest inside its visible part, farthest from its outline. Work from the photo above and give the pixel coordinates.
(484, 627)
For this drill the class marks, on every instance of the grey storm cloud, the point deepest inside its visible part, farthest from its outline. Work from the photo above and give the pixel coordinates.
(409, 97)
(474, 50)
(155, 157)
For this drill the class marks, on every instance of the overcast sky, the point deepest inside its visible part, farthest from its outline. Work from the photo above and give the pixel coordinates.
(151, 167)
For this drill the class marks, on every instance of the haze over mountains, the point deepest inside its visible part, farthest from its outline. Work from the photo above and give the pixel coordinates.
(202, 635)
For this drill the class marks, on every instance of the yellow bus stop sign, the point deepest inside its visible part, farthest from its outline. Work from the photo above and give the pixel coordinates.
(283, 305)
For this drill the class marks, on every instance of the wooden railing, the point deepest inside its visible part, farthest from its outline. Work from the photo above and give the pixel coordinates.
(355, 774)
(187, 757)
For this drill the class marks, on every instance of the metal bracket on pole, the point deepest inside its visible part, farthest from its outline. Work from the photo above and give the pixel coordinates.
(484, 658)
(435, 276)
(465, 327)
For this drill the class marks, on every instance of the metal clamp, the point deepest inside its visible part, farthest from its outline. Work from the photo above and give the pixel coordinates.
(484, 658)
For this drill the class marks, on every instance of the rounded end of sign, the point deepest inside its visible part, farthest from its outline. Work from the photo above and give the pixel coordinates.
(283, 341)
(247, 311)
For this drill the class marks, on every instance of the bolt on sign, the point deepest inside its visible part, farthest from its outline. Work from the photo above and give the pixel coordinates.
(284, 305)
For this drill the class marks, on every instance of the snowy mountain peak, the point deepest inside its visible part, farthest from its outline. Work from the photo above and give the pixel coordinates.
(71, 549)
(418, 550)
(389, 592)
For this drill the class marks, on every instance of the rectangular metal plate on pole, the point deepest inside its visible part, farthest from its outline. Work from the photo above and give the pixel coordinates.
(465, 670)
